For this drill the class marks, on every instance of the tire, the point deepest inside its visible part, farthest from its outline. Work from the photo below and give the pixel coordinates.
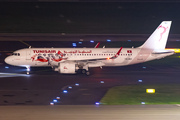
(83, 71)
(87, 73)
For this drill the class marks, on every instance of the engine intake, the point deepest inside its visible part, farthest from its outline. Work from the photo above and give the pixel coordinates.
(67, 68)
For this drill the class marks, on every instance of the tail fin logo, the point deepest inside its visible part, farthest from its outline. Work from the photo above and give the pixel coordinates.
(165, 28)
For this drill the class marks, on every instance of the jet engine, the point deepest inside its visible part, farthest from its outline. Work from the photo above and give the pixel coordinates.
(67, 68)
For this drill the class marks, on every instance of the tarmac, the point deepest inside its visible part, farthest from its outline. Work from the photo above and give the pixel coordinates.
(92, 112)
(30, 96)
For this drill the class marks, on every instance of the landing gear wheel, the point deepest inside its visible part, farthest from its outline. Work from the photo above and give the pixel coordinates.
(83, 71)
(87, 73)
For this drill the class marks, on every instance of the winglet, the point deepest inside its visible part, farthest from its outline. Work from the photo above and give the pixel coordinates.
(117, 54)
(97, 45)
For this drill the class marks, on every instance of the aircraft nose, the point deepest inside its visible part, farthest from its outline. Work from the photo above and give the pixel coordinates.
(8, 60)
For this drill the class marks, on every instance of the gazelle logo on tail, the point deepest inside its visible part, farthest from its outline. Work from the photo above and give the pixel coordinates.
(165, 28)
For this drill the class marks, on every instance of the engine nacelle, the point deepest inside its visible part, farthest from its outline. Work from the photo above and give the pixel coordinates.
(67, 68)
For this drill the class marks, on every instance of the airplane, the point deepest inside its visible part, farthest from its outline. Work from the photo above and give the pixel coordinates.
(72, 60)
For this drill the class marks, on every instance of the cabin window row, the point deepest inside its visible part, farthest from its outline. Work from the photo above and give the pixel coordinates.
(97, 54)
(85, 54)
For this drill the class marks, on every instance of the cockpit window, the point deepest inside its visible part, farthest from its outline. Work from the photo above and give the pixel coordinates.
(16, 54)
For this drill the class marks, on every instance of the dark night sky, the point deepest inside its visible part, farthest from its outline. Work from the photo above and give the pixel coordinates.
(91, 18)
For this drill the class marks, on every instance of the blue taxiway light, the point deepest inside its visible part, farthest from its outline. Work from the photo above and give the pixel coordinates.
(91, 41)
(97, 103)
(74, 44)
(129, 40)
(108, 40)
(80, 42)
(51, 103)
(64, 91)
(57, 97)
(55, 100)
(144, 67)
(6, 67)
(70, 87)
(143, 103)
(139, 80)
(76, 84)
(102, 82)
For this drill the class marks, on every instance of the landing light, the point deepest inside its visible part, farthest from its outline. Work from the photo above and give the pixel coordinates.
(28, 69)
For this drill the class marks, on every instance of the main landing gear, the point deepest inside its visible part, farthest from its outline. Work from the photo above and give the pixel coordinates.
(86, 72)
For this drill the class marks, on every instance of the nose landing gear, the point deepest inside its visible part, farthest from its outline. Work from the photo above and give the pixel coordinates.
(27, 70)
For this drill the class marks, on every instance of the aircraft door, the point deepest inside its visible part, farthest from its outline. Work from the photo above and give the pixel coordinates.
(28, 54)
(140, 55)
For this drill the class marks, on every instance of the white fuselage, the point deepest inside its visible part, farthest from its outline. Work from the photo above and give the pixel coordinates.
(37, 57)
